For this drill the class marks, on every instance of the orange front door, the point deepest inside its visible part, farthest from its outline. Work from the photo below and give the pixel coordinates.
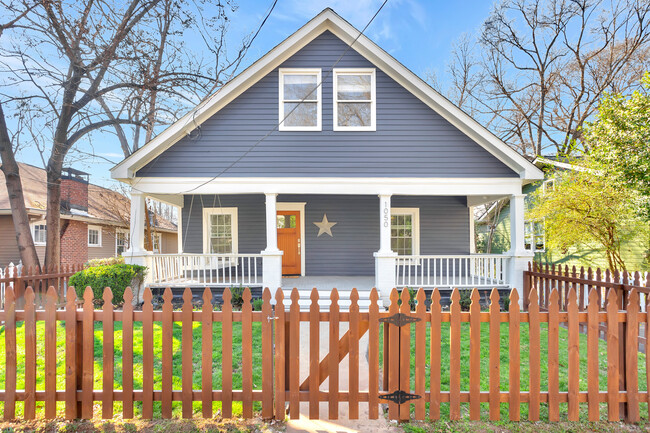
(288, 223)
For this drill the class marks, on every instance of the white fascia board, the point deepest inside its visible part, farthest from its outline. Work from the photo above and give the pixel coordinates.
(350, 186)
(328, 20)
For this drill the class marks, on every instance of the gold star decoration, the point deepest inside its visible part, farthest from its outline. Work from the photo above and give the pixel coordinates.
(325, 226)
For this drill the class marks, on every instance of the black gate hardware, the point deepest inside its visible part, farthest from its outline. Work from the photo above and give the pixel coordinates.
(399, 397)
(400, 319)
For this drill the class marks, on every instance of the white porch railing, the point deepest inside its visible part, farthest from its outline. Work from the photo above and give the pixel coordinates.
(207, 269)
(476, 270)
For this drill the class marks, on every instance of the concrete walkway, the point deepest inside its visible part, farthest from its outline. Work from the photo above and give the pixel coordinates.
(343, 424)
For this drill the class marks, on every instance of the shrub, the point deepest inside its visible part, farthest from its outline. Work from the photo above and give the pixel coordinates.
(237, 299)
(257, 304)
(118, 277)
(465, 299)
(105, 261)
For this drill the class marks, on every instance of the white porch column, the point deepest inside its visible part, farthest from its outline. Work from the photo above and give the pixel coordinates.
(136, 254)
(271, 256)
(385, 257)
(519, 255)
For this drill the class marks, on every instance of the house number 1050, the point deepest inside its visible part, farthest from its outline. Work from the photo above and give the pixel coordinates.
(386, 215)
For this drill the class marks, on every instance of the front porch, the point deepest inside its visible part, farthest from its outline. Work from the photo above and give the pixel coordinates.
(251, 239)
(198, 271)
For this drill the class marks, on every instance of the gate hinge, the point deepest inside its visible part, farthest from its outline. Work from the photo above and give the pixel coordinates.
(399, 319)
(399, 397)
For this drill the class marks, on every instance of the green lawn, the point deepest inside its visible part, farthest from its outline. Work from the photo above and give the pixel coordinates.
(257, 360)
(137, 343)
(524, 369)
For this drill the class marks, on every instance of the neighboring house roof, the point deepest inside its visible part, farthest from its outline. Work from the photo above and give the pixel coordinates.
(105, 206)
(328, 20)
(542, 161)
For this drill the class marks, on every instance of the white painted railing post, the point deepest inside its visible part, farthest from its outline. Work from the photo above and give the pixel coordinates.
(385, 258)
(271, 256)
(519, 256)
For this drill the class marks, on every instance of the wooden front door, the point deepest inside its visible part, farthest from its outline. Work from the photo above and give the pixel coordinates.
(288, 224)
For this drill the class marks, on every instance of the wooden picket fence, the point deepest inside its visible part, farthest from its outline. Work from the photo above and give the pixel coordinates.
(19, 277)
(546, 278)
(388, 371)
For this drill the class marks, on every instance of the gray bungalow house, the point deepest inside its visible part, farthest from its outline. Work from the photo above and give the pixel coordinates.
(328, 163)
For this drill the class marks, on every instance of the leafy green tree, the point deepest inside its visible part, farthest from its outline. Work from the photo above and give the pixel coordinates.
(619, 141)
(589, 208)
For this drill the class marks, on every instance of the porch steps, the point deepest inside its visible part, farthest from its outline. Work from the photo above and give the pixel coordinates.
(324, 299)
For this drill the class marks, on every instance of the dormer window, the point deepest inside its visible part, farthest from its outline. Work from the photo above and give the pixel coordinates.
(300, 100)
(354, 100)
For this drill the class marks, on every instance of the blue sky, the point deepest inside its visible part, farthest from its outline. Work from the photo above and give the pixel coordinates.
(418, 33)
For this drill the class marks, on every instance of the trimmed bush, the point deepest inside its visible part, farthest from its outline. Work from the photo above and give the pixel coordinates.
(118, 277)
(106, 261)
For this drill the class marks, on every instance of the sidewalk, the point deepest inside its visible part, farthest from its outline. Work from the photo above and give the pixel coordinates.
(343, 424)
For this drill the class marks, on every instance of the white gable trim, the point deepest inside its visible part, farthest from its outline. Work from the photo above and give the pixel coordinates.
(327, 20)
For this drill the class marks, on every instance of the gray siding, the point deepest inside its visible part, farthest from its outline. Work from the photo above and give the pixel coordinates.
(411, 139)
(444, 227)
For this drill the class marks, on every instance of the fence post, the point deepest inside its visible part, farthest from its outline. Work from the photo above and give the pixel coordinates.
(622, 337)
(527, 287)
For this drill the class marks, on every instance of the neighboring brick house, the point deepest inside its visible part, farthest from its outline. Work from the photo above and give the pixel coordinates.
(94, 220)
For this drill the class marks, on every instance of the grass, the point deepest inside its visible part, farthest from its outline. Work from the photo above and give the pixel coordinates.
(138, 371)
(524, 369)
(253, 425)
(156, 426)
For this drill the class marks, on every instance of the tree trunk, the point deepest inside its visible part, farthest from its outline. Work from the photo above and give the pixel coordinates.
(53, 215)
(19, 215)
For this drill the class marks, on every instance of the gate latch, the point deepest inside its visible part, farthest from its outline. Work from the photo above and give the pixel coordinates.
(399, 397)
(399, 319)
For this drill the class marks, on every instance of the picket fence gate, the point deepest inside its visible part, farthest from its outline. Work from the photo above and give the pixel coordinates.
(389, 371)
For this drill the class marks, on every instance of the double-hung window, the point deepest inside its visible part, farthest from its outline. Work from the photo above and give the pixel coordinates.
(354, 100)
(220, 230)
(39, 233)
(534, 235)
(300, 100)
(405, 231)
(121, 241)
(94, 236)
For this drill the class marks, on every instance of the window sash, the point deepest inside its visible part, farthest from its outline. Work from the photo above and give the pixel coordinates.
(121, 242)
(344, 110)
(534, 235)
(295, 112)
(220, 230)
(39, 234)
(94, 236)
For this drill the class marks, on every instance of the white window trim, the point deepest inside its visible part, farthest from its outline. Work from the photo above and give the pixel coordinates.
(546, 183)
(207, 212)
(33, 230)
(153, 243)
(319, 97)
(415, 213)
(126, 232)
(99, 236)
(533, 236)
(373, 99)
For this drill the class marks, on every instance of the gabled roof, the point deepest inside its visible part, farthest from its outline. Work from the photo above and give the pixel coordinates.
(105, 206)
(327, 20)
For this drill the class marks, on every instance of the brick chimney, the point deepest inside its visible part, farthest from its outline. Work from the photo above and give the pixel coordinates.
(74, 191)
